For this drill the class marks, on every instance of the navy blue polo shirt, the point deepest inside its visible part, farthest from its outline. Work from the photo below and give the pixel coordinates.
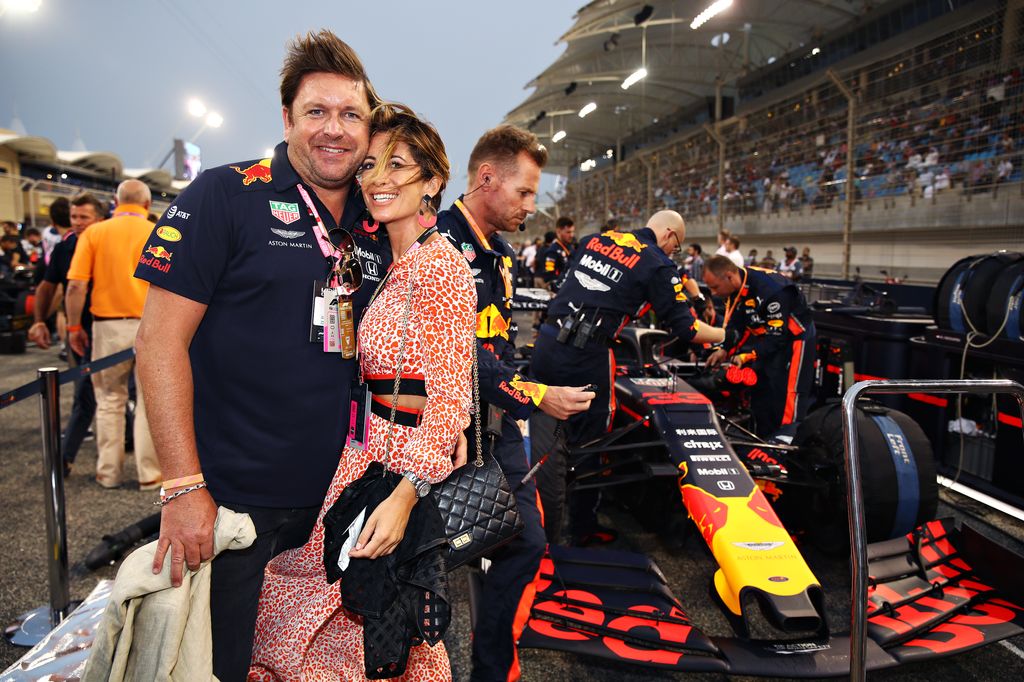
(271, 408)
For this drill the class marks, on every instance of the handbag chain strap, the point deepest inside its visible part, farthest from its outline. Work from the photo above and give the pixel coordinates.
(479, 461)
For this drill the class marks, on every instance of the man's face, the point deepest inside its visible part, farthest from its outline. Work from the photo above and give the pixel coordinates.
(82, 217)
(565, 234)
(328, 129)
(725, 285)
(513, 194)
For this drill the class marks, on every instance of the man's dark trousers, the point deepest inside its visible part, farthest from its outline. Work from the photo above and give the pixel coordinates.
(512, 567)
(237, 578)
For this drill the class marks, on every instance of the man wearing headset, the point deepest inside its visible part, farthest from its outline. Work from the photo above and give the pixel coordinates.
(504, 172)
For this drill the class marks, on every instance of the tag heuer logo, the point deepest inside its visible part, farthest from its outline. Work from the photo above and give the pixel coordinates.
(286, 213)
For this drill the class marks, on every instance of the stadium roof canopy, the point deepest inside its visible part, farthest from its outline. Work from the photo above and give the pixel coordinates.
(100, 162)
(611, 39)
(43, 151)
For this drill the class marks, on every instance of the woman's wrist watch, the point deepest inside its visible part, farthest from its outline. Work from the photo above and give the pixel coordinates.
(422, 487)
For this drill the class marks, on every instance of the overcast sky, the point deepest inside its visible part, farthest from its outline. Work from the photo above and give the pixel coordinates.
(116, 74)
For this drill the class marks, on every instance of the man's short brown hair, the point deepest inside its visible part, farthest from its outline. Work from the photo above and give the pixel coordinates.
(720, 266)
(564, 221)
(321, 52)
(502, 145)
(86, 199)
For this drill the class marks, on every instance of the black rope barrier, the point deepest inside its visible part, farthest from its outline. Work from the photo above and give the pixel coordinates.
(67, 376)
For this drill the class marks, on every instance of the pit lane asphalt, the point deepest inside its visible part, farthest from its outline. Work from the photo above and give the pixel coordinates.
(93, 512)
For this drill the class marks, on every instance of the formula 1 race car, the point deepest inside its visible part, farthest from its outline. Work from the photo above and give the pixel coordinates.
(935, 589)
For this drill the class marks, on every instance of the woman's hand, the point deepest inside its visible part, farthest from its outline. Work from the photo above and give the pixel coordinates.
(386, 526)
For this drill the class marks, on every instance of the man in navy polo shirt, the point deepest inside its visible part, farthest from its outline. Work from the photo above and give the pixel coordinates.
(238, 392)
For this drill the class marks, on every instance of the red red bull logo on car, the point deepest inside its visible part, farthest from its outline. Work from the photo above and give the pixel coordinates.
(258, 171)
(617, 251)
(153, 255)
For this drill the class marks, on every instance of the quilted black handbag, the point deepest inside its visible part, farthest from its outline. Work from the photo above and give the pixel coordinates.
(475, 502)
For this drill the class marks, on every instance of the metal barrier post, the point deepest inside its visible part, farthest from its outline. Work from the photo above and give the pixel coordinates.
(31, 627)
(858, 532)
(53, 475)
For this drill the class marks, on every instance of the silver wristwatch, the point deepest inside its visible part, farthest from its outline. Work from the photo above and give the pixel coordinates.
(421, 486)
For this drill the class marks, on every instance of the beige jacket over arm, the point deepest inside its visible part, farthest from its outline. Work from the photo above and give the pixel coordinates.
(152, 631)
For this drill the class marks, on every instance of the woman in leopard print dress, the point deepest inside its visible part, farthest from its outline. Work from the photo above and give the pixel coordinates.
(303, 631)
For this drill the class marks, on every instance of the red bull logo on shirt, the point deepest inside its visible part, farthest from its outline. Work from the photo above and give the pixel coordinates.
(258, 171)
(614, 251)
(625, 240)
(153, 255)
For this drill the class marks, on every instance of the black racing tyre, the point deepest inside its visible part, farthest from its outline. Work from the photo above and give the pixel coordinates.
(887, 513)
(1007, 292)
(965, 290)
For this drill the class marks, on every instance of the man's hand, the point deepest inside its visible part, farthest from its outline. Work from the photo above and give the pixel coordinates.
(386, 526)
(561, 402)
(39, 334)
(186, 528)
(79, 341)
(461, 454)
(716, 358)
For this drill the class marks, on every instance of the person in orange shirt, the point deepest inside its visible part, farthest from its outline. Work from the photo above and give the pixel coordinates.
(107, 255)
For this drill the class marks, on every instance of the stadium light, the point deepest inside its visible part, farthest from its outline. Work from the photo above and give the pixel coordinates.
(196, 108)
(587, 165)
(709, 12)
(588, 109)
(214, 120)
(633, 78)
(559, 136)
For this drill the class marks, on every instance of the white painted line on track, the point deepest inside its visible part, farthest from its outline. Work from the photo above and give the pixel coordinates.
(1013, 648)
(988, 500)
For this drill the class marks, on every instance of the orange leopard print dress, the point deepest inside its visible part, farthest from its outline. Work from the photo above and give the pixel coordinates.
(302, 631)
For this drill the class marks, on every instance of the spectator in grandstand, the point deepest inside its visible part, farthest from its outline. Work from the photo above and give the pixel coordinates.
(10, 229)
(106, 256)
(751, 258)
(695, 269)
(807, 263)
(790, 267)
(768, 262)
(85, 210)
(732, 250)
(559, 252)
(1004, 170)
(60, 223)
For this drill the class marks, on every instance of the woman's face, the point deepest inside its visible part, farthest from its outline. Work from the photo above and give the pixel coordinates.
(398, 193)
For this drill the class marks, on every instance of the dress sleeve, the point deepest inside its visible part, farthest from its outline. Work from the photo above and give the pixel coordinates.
(445, 306)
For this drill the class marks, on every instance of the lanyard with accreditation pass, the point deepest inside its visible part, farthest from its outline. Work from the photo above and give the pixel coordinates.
(332, 318)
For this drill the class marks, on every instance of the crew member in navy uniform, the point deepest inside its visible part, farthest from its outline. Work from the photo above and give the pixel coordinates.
(559, 253)
(768, 326)
(614, 277)
(504, 172)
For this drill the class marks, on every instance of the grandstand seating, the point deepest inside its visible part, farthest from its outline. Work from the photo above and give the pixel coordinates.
(945, 116)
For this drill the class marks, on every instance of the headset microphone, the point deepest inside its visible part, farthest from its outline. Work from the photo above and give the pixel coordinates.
(522, 227)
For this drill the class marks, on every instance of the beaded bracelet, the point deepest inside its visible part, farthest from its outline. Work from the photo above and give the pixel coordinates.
(183, 491)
